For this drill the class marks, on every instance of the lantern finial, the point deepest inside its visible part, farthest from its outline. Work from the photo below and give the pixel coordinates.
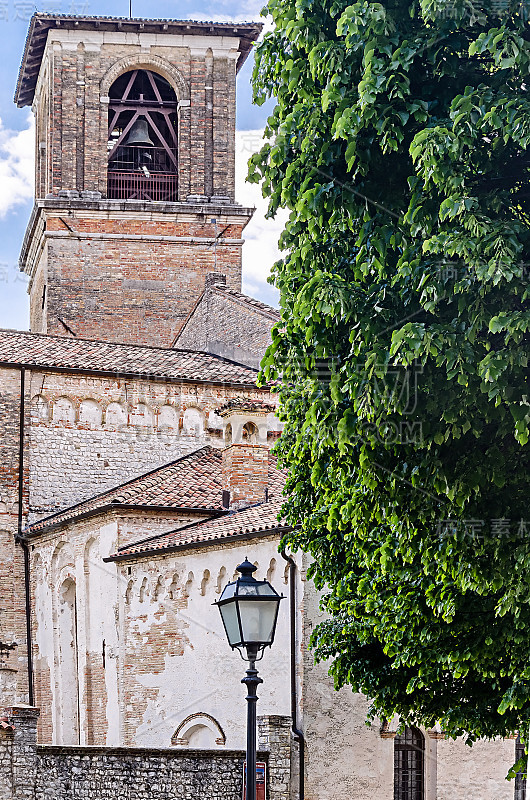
(247, 569)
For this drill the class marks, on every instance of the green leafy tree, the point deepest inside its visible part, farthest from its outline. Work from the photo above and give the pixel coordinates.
(399, 143)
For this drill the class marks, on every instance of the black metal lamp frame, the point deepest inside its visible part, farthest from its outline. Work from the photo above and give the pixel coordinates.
(254, 652)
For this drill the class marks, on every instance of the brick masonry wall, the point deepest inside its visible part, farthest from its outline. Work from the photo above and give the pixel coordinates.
(131, 278)
(245, 474)
(229, 327)
(127, 277)
(105, 431)
(76, 74)
(12, 598)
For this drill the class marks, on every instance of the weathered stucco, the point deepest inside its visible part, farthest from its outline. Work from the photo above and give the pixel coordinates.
(348, 760)
(150, 645)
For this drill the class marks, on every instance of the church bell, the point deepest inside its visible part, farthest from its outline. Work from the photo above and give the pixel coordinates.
(139, 135)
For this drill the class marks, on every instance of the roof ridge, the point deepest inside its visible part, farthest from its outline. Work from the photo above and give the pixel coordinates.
(253, 301)
(50, 15)
(220, 518)
(120, 486)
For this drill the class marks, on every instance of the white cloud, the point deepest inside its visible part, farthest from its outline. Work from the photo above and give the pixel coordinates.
(261, 235)
(250, 11)
(17, 171)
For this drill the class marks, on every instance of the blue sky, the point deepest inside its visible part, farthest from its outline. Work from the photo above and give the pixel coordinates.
(16, 140)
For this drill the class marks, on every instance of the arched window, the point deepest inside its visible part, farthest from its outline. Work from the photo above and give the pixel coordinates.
(409, 749)
(520, 781)
(199, 731)
(143, 124)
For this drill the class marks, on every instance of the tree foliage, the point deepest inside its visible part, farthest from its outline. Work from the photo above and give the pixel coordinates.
(399, 143)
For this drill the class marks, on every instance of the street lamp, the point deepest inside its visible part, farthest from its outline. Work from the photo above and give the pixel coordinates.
(249, 610)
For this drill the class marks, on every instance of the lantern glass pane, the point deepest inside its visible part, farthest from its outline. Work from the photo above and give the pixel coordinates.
(260, 589)
(257, 620)
(229, 591)
(229, 615)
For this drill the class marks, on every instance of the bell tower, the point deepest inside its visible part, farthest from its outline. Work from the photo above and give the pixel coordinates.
(135, 187)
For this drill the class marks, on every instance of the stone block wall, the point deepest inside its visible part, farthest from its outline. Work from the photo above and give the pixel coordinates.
(28, 772)
(6, 761)
(274, 734)
(98, 774)
(110, 430)
(229, 326)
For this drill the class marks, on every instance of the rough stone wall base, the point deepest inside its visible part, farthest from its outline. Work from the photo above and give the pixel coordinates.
(274, 735)
(29, 772)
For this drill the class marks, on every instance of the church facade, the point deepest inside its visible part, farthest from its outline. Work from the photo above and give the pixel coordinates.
(136, 467)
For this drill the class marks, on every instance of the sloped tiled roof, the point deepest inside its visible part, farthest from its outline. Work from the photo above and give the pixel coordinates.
(41, 23)
(258, 519)
(253, 521)
(192, 482)
(60, 353)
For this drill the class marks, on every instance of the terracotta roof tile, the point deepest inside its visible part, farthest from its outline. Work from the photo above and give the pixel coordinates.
(62, 353)
(259, 518)
(262, 518)
(191, 482)
(244, 404)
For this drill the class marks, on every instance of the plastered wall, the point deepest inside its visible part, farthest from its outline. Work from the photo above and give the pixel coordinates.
(149, 646)
(348, 760)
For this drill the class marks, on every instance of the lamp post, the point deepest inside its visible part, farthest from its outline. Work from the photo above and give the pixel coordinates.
(249, 610)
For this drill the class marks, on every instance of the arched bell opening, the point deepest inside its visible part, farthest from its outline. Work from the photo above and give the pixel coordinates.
(250, 433)
(143, 138)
